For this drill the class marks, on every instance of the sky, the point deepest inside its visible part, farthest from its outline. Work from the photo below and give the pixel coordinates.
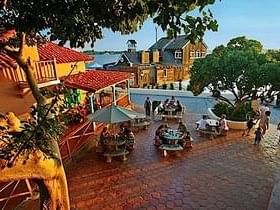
(255, 19)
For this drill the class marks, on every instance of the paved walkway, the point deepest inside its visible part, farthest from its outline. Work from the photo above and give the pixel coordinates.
(225, 173)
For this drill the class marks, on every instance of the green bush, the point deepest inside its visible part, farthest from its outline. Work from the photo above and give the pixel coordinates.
(164, 86)
(239, 113)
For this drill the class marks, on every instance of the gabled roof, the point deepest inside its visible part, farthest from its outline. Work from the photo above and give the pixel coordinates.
(170, 43)
(133, 57)
(95, 80)
(178, 43)
(7, 62)
(49, 51)
(160, 44)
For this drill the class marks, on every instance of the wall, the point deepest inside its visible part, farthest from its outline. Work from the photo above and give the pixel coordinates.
(187, 60)
(63, 69)
(31, 52)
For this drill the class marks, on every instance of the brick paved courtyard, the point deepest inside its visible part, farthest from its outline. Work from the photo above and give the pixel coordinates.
(225, 173)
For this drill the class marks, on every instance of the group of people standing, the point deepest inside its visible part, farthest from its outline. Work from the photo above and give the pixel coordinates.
(260, 120)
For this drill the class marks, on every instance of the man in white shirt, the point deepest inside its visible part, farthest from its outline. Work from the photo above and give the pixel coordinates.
(202, 123)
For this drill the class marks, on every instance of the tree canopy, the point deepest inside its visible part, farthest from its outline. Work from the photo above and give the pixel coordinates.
(240, 67)
(81, 21)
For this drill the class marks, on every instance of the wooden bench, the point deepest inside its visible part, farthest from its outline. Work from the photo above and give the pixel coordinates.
(211, 133)
(117, 153)
(166, 116)
(170, 147)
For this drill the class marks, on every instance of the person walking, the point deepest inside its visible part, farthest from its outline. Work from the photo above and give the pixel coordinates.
(147, 106)
(258, 136)
(264, 122)
(250, 124)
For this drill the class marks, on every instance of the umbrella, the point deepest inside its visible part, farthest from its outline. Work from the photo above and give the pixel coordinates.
(138, 114)
(114, 114)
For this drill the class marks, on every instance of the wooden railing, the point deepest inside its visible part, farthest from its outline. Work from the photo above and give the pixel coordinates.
(44, 71)
(78, 135)
(14, 192)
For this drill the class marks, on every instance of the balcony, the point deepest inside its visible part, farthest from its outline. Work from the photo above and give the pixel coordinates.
(44, 72)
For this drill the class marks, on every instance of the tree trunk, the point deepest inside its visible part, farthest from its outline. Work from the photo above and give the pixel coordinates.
(50, 171)
(29, 73)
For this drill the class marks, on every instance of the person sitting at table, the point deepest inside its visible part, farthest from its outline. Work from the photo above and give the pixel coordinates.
(121, 131)
(182, 127)
(172, 101)
(186, 142)
(130, 138)
(104, 136)
(160, 108)
(158, 135)
(223, 127)
(166, 103)
(179, 107)
(202, 123)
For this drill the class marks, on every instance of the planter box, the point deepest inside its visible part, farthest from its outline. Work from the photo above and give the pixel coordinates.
(236, 125)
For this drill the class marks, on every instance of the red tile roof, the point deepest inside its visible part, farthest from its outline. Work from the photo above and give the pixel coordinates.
(95, 80)
(7, 62)
(49, 51)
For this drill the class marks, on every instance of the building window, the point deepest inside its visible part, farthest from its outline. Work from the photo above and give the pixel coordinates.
(178, 54)
(192, 54)
(197, 54)
(165, 72)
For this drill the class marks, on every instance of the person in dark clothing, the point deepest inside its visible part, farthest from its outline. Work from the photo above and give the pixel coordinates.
(147, 106)
(250, 124)
(258, 135)
(179, 107)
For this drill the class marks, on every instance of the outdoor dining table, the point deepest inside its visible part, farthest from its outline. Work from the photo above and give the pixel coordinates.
(115, 147)
(172, 136)
(170, 141)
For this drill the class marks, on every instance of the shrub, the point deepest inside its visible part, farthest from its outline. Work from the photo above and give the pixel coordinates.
(172, 86)
(239, 113)
(164, 86)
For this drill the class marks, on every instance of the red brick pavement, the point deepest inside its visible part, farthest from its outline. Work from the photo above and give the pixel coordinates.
(225, 173)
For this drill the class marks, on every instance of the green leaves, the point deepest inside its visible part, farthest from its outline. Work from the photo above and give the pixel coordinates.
(82, 21)
(241, 68)
(37, 134)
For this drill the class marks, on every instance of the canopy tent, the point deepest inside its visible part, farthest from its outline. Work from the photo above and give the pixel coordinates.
(114, 114)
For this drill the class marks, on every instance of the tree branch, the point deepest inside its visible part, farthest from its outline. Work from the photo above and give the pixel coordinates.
(234, 93)
(226, 100)
(22, 43)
